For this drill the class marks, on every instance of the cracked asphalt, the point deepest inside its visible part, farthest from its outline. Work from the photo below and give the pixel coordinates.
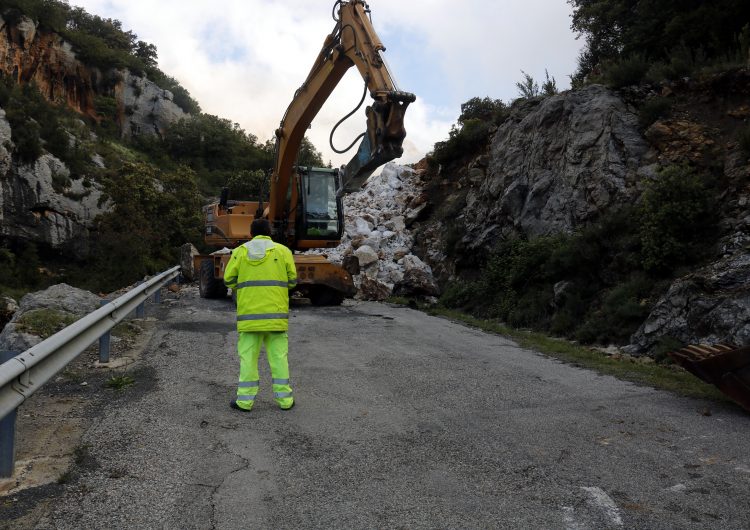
(402, 421)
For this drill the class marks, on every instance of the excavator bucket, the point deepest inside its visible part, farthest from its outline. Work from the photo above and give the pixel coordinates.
(382, 141)
(364, 163)
(725, 367)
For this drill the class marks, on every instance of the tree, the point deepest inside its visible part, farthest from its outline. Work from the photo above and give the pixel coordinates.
(147, 53)
(308, 155)
(485, 109)
(615, 29)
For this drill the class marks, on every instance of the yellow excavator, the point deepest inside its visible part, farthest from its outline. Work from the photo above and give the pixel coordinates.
(305, 203)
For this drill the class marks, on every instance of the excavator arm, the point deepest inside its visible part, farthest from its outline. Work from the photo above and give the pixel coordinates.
(353, 42)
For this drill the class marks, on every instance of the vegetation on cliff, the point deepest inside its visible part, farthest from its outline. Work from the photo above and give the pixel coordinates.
(598, 284)
(99, 42)
(628, 40)
(156, 184)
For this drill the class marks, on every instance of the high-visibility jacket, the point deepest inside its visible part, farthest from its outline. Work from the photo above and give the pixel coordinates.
(261, 272)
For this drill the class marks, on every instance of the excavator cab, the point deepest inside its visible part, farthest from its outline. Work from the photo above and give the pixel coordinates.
(319, 210)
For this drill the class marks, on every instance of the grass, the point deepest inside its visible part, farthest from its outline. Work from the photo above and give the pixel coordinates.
(126, 330)
(44, 322)
(660, 376)
(120, 382)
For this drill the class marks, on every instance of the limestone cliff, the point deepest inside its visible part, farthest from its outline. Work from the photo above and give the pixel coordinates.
(38, 200)
(47, 60)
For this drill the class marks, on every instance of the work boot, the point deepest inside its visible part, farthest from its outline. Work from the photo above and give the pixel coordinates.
(233, 404)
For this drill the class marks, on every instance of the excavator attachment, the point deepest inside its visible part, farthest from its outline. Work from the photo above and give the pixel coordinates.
(382, 141)
(725, 367)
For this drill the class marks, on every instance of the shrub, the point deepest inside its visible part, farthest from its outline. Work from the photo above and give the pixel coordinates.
(675, 217)
(652, 110)
(626, 72)
(472, 135)
(25, 136)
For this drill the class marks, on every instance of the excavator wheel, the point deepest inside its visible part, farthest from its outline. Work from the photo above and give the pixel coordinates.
(321, 296)
(209, 286)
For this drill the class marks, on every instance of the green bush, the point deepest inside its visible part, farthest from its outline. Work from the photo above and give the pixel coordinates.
(472, 135)
(652, 110)
(676, 219)
(626, 72)
(154, 213)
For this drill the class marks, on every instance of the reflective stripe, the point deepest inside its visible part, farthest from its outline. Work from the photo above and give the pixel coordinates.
(263, 316)
(245, 398)
(248, 384)
(292, 284)
(230, 281)
(262, 283)
(280, 381)
(282, 394)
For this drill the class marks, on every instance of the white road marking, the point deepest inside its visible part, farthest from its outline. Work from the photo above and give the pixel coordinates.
(606, 503)
(677, 487)
(569, 520)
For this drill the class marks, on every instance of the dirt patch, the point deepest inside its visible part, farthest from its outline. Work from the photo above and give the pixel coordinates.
(50, 425)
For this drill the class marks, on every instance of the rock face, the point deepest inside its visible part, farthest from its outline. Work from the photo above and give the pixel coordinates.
(709, 306)
(147, 109)
(28, 54)
(61, 297)
(558, 163)
(39, 202)
(376, 233)
(555, 165)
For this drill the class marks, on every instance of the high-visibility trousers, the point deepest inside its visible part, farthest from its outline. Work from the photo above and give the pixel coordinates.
(277, 348)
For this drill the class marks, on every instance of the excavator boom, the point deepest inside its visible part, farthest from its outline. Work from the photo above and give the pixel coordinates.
(353, 42)
(305, 204)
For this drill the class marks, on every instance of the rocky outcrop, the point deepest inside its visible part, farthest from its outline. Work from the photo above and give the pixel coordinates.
(45, 59)
(709, 306)
(555, 165)
(39, 202)
(377, 235)
(30, 55)
(558, 163)
(62, 298)
(145, 108)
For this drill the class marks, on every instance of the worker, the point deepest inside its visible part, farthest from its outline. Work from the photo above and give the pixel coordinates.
(261, 272)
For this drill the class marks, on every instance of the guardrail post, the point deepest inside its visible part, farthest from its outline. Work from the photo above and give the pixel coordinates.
(104, 341)
(7, 432)
(157, 296)
(140, 311)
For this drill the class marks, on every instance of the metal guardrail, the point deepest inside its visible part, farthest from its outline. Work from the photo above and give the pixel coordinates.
(25, 373)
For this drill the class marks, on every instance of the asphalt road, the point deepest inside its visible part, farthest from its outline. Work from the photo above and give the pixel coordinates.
(402, 421)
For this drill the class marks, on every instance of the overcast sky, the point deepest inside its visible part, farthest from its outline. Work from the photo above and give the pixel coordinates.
(243, 59)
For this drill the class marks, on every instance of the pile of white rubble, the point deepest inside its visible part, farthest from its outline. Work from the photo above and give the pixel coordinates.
(376, 232)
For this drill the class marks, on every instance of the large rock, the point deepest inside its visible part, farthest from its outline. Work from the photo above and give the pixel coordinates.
(60, 297)
(555, 165)
(416, 282)
(709, 306)
(187, 253)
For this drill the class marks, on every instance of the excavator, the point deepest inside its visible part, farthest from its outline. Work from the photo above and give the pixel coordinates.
(305, 203)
